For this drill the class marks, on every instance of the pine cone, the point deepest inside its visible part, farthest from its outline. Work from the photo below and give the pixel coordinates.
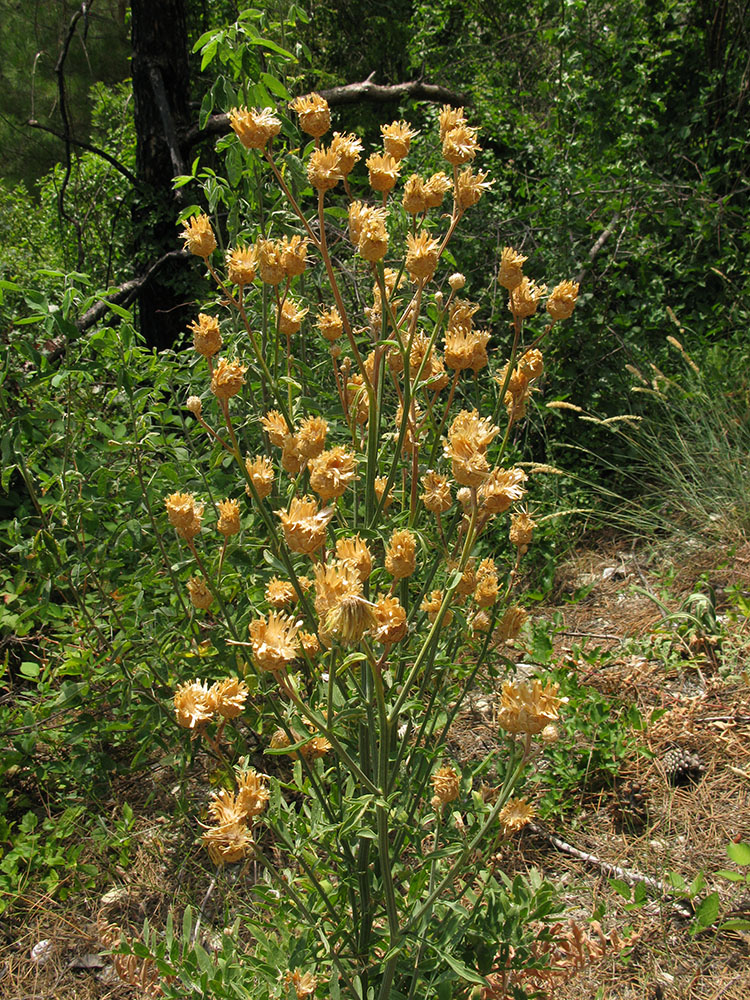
(682, 767)
(631, 805)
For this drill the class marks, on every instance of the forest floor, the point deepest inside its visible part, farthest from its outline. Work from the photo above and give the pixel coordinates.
(628, 631)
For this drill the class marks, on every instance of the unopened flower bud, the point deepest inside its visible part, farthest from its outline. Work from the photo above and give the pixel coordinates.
(194, 405)
(457, 281)
(439, 298)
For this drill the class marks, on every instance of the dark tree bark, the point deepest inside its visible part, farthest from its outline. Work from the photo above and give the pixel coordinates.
(161, 89)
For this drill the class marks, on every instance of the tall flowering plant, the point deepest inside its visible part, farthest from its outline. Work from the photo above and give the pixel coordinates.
(381, 517)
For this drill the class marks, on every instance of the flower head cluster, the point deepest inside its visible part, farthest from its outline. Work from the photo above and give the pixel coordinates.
(230, 838)
(274, 642)
(304, 524)
(468, 439)
(528, 706)
(185, 514)
(195, 703)
(254, 127)
(446, 784)
(206, 335)
(314, 114)
(199, 236)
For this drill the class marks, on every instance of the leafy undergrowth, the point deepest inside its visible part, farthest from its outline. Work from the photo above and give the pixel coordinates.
(648, 780)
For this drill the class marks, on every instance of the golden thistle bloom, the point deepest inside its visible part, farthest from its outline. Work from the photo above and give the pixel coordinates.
(242, 265)
(518, 393)
(414, 199)
(514, 816)
(323, 169)
(311, 437)
(254, 128)
(449, 119)
(194, 405)
(331, 472)
(293, 255)
(420, 348)
(471, 187)
(330, 324)
(422, 256)
(275, 425)
(373, 235)
(446, 783)
(437, 492)
(304, 984)
(348, 149)
(384, 170)
(531, 364)
(436, 188)
(468, 579)
(229, 517)
(333, 583)
(478, 430)
(468, 463)
(280, 740)
(401, 554)
(317, 747)
(314, 114)
(206, 335)
(511, 624)
(464, 498)
(292, 459)
(379, 486)
(274, 641)
(479, 358)
(390, 621)
(200, 596)
(439, 378)
(432, 605)
(229, 843)
(460, 345)
(356, 399)
(460, 145)
(291, 317)
(224, 809)
(310, 644)
(521, 530)
(486, 590)
(397, 138)
(462, 313)
(191, 705)
(562, 300)
(184, 514)
(479, 623)
(510, 274)
(358, 212)
(280, 593)
(525, 297)
(199, 237)
(457, 281)
(528, 706)
(252, 792)
(260, 470)
(227, 379)
(270, 262)
(305, 525)
(228, 697)
(501, 489)
(351, 617)
(355, 550)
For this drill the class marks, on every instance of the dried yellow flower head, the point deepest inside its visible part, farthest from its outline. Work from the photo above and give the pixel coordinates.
(510, 274)
(252, 792)
(317, 747)
(291, 317)
(194, 405)
(471, 187)
(468, 438)
(372, 244)
(185, 514)
(525, 297)
(487, 590)
(383, 171)
(323, 168)
(562, 300)
(292, 459)
(379, 486)
(274, 641)
(414, 197)
(200, 596)
(435, 189)
(390, 621)
(437, 492)
(350, 617)
(479, 358)
(311, 437)
(457, 281)
(511, 624)
(446, 784)
(242, 265)
(275, 425)
(422, 256)
(401, 554)
(501, 489)
(280, 593)
(229, 517)
(460, 347)
(191, 705)
(514, 816)
(270, 262)
(528, 706)
(357, 213)
(449, 119)
(397, 138)
(228, 697)
(460, 145)
(260, 471)
(479, 623)
(531, 364)
(310, 644)
(330, 324)
(348, 149)
(206, 335)
(355, 550)
(432, 604)
(228, 843)
(199, 236)
(521, 530)
(314, 114)
(304, 984)
(304, 524)
(332, 471)
(227, 379)
(356, 399)
(293, 251)
(254, 127)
